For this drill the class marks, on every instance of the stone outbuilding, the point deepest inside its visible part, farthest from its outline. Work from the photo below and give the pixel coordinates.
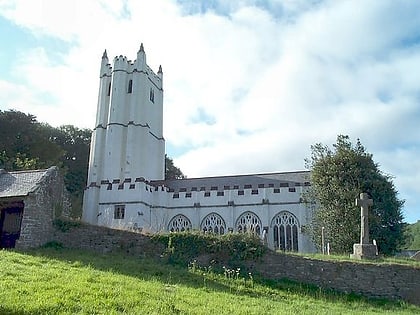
(29, 203)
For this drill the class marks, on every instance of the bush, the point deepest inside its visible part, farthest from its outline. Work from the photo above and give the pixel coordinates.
(185, 246)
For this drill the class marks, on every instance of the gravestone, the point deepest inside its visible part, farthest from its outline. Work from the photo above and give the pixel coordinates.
(364, 250)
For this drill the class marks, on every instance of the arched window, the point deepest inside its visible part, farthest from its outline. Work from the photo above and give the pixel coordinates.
(179, 223)
(130, 86)
(285, 231)
(213, 223)
(249, 222)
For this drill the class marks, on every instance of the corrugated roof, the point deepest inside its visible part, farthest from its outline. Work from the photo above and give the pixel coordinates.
(13, 184)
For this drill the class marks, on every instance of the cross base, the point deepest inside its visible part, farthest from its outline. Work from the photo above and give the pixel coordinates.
(364, 251)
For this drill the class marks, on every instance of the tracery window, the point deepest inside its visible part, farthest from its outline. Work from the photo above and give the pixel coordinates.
(285, 231)
(249, 222)
(179, 223)
(213, 223)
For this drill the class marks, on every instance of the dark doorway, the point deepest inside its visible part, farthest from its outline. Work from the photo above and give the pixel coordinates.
(10, 221)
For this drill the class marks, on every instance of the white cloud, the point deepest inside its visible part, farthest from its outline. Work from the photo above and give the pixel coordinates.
(248, 88)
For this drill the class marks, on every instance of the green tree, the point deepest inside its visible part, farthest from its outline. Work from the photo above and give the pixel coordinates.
(412, 232)
(25, 143)
(338, 176)
(171, 171)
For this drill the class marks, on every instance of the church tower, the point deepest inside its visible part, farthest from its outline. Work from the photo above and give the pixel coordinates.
(127, 141)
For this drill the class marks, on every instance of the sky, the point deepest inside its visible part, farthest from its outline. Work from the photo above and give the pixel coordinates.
(249, 85)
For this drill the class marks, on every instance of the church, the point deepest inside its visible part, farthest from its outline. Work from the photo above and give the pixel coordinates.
(126, 186)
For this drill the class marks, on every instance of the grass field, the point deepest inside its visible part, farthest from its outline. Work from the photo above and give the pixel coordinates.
(62, 281)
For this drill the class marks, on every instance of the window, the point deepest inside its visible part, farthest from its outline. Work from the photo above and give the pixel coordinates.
(213, 223)
(254, 192)
(292, 189)
(247, 186)
(188, 195)
(176, 195)
(285, 231)
(152, 95)
(130, 86)
(119, 211)
(132, 186)
(240, 192)
(109, 89)
(249, 222)
(207, 194)
(220, 193)
(276, 190)
(213, 188)
(179, 223)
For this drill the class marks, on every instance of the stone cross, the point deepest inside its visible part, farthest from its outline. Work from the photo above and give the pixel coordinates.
(364, 202)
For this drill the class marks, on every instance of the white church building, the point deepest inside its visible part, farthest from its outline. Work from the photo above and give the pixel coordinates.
(126, 188)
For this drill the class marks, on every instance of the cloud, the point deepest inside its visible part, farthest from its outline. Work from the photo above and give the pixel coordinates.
(249, 85)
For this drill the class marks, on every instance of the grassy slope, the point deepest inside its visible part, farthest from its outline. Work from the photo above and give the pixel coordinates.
(50, 281)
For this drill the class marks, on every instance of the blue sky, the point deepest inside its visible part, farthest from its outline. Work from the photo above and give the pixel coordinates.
(249, 85)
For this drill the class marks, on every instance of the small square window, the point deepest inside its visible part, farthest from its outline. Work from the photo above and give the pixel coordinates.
(207, 194)
(247, 186)
(254, 192)
(176, 195)
(119, 212)
(276, 190)
(292, 189)
(226, 187)
(220, 193)
(202, 188)
(188, 195)
(240, 192)
(236, 187)
(213, 188)
(132, 186)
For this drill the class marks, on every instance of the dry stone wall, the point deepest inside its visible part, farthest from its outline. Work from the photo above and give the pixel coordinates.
(372, 280)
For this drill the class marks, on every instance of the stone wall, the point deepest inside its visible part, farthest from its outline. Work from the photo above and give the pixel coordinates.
(369, 279)
(48, 201)
(372, 280)
(105, 240)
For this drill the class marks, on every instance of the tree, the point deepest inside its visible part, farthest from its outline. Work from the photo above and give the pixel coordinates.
(171, 171)
(412, 232)
(338, 176)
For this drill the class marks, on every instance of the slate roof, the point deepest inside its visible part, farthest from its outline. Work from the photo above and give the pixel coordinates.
(14, 184)
(254, 181)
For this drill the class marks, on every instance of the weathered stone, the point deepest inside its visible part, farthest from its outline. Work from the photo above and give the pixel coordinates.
(364, 251)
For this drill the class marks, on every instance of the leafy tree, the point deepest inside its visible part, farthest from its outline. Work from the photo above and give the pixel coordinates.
(171, 171)
(25, 143)
(338, 176)
(412, 232)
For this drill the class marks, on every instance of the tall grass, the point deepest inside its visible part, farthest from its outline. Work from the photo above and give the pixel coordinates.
(62, 281)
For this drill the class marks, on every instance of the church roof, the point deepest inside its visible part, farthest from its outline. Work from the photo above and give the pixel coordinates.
(252, 181)
(21, 183)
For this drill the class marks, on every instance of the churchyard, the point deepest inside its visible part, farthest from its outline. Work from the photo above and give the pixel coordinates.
(63, 281)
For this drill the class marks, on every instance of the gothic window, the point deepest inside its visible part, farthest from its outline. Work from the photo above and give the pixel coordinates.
(179, 223)
(285, 231)
(109, 89)
(119, 212)
(248, 222)
(130, 86)
(152, 95)
(213, 223)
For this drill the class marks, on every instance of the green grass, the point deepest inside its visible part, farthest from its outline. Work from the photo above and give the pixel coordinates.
(62, 281)
(381, 260)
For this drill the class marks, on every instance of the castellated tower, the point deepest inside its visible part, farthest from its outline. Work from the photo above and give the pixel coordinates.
(127, 140)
